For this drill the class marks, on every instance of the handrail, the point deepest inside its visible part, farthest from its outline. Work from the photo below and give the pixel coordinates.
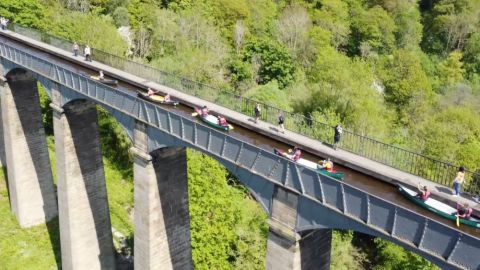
(417, 164)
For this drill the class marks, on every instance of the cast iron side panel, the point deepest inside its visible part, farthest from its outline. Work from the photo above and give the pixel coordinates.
(175, 125)
(266, 163)
(409, 226)
(438, 242)
(202, 134)
(189, 131)
(381, 214)
(232, 149)
(356, 202)
(332, 191)
(216, 143)
(466, 252)
(309, 182)
(247, 156)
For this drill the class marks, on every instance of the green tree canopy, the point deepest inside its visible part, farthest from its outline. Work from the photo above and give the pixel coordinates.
(273, 61)
(25, 12)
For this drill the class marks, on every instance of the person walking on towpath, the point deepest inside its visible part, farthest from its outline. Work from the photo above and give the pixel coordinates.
(281, 121)
(338, 133)
(458, 181)
(75, 49)
(87, 52)
(257, 112)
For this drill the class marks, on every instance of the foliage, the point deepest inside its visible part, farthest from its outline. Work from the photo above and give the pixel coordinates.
(344, 255)
(451, 70)
(334, 17)
(273, 60)
(270, 94)
(344, 86)
(407, 87)
(372, 28)
(226, 230)
(25, 12)
(393, 257)
(98, 32)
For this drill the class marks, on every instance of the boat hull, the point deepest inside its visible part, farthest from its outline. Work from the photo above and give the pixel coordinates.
(437, 207)
(157, 99)
(311, 165)
(209, 119)
(104, 81)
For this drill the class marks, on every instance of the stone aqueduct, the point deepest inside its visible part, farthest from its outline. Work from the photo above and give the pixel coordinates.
(303, 206)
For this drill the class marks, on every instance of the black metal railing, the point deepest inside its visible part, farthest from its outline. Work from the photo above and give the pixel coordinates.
(393, 156)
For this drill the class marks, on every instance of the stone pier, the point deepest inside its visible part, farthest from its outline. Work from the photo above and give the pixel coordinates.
(289, 250)
(162, 221)
(30, 181)
(85, 229)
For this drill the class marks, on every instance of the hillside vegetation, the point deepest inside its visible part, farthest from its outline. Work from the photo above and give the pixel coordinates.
(405, 72)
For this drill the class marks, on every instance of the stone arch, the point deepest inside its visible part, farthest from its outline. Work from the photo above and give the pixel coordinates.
(259, 188)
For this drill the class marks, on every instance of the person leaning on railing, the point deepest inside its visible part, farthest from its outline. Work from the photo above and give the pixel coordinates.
(3, 23)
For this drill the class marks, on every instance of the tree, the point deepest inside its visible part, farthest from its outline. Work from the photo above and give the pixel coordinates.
(374, 27)
(406, 15)
(451, 69)
(274, 61)
(450, 23)
(407, 88)
(393, 257)
(271, 95)
(239, 33)
(334, 17)
(471, 55)
(292, 29)
(24, 12)
(344, 86)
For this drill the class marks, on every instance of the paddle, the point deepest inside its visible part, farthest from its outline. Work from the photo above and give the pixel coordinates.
(194, 114)
(458, 221)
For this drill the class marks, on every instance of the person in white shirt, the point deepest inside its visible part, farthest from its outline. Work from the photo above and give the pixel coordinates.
(87, 52)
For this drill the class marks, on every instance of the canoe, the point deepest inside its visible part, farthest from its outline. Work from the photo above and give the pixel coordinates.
(104, 81)
(311, 165)
(212, 120)
(157, 99)
(437, 207)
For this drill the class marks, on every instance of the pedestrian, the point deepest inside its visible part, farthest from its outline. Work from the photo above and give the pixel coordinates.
(87, 52)
(281, 120)
(338, 134)
(458, 181)
(257, 112)
(75, 49)
(3, 22)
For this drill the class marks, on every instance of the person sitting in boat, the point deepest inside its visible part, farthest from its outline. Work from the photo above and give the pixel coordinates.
(327, 165)
(150, 92)
(423, 193)
(464, 211)
(204, 111)
(166, 98)
(222, 121)
(296, 153)
(100, 75)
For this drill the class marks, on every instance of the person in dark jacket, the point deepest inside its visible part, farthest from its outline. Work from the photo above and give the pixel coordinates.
(257, 112)
(338, 134)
